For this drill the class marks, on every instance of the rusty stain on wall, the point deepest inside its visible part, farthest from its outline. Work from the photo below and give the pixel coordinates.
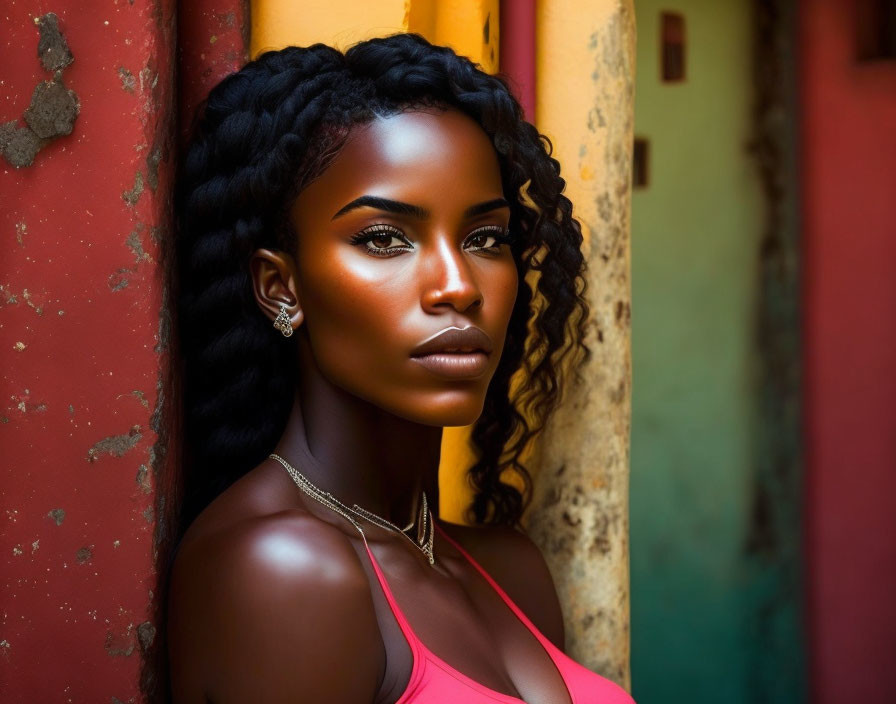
(53, 109)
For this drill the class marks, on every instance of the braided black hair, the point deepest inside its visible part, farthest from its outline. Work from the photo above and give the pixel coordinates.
(261, 136)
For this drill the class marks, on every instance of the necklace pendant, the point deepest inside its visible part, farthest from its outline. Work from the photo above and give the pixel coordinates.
(424, 521)
(421, 522)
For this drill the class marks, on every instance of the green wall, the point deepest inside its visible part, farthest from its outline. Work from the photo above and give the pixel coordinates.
(695, 235)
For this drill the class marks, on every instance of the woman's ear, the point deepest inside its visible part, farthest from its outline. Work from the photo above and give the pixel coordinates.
(275, 283)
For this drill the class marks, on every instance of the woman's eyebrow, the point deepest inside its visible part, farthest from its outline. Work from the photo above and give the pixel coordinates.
(390, 206)
(486, 207)
(399, 208)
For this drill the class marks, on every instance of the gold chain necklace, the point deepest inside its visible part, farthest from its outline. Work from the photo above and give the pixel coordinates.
(425, 527)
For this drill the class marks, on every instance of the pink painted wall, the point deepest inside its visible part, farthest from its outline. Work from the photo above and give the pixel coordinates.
(849, 210)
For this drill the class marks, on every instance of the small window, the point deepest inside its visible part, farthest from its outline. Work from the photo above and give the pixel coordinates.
(640, 163)
(672, 46)
(875, 30)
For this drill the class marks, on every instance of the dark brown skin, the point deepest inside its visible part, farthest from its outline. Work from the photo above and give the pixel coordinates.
(272, 596)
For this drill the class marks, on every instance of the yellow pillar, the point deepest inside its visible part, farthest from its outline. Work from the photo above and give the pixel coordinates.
(579, 515)
(470, 27)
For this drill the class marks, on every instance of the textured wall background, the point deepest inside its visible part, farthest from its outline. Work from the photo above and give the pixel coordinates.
(584, 101)
(81, 339)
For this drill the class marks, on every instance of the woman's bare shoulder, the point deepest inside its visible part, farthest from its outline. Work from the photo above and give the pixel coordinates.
(271, 607)
(516, 563)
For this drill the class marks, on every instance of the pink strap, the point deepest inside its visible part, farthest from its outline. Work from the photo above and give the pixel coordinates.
(507, 600)
(396, 610)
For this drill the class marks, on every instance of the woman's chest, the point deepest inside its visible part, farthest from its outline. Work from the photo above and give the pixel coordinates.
(457, 619)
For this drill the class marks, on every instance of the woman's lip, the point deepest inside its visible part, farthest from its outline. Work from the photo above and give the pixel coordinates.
(455, 365)
(453, 339)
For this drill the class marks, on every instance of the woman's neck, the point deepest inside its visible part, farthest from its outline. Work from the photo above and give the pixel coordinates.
(361, 453)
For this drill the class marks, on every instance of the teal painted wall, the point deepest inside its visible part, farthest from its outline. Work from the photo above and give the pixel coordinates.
(696, 229)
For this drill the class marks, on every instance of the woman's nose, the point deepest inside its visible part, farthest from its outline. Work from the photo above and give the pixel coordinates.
(450, 280)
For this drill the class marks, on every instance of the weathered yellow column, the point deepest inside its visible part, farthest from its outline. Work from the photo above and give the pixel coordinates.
(579, 516)
(340, 23)
(470, 27)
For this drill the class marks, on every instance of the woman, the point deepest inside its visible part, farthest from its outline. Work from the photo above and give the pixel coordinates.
(354, 236)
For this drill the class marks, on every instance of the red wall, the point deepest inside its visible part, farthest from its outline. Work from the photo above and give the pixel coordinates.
(849, 210)
(517, 58)
(79, 362)
(83, 336)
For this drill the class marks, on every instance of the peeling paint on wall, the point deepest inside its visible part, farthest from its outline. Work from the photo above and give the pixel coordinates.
(133, 241)
(128, 82)
(115, 445)
(52, 49)
(53, 107)
(142, 479)
(133, 195)
(146, 633)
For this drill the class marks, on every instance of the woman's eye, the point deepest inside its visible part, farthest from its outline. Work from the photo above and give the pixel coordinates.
(489, 238)
(382, 241)
(387, 241)
(379, 241)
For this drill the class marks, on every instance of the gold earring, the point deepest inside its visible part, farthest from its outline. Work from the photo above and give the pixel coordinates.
(282, 322)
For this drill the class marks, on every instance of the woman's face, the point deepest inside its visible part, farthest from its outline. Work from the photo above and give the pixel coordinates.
(402, 237)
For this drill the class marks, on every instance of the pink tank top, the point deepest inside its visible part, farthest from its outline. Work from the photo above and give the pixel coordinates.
(434, 681)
